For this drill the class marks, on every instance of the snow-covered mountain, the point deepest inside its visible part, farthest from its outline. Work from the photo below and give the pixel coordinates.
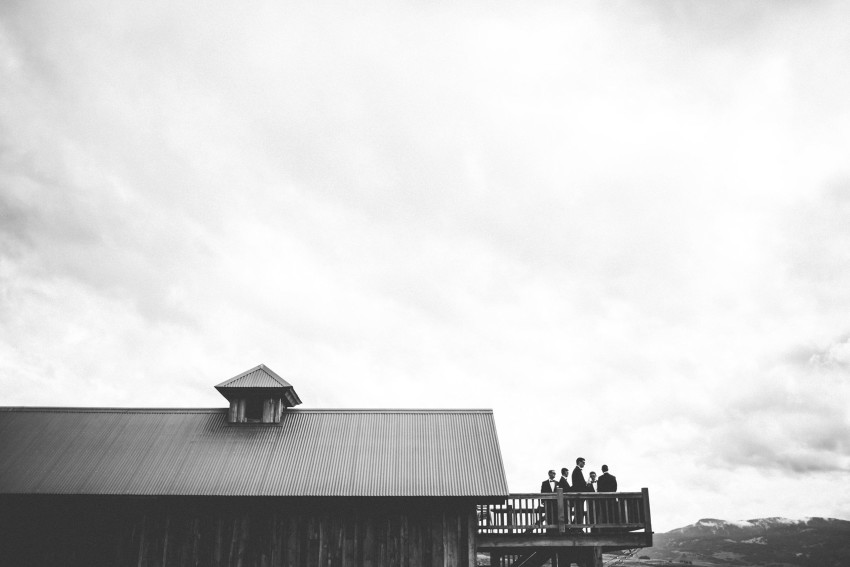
(710, 526)
(807, 542)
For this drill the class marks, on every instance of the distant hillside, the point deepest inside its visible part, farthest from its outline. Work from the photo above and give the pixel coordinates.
(766, 542)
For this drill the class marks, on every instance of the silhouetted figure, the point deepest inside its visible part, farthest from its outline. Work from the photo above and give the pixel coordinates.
(592, 509)
(550, 484)
(563, 483)
(579, 485)
(578, 482)
(607, 482)
(548, 487)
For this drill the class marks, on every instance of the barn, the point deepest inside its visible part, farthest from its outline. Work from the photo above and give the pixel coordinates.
(257, 483)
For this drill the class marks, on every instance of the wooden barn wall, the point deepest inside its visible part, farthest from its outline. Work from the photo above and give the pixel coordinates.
(143, 532)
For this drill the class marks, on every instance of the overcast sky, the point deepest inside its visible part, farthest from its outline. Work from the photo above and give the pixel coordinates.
(624, 226)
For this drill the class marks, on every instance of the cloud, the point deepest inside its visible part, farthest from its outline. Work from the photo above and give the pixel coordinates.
(792, 419)
(835, 357)
(817, 245)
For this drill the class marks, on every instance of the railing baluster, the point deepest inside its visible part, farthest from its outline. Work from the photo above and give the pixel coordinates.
(591, 511)
(579, 510)
(523, 517)
(561, 528)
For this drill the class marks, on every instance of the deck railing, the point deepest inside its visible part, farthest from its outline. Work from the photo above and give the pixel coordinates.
(570, 513)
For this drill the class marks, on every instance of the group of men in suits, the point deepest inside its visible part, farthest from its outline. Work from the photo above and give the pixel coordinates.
(606, 483)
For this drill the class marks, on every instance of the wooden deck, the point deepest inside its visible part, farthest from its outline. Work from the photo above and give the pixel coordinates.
(529, 529)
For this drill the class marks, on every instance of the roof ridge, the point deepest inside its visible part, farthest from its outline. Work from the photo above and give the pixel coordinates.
(90, 409)
(262, 367)
(391, 410)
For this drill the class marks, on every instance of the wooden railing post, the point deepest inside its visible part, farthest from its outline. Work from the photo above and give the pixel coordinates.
(647, 518)
(561, 527)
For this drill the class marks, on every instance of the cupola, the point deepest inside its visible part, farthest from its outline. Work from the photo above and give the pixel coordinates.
(257, 395)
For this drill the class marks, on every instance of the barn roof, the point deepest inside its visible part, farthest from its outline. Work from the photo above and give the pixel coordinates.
(196, 452)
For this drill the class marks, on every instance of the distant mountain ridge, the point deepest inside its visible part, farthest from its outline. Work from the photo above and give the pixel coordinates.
(722, 527)
(766, 542)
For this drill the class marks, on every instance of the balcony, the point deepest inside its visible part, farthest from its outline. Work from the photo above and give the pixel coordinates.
(575, 527)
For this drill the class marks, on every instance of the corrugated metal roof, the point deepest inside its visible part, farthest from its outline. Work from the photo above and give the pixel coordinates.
(261, 376)
(196, 452)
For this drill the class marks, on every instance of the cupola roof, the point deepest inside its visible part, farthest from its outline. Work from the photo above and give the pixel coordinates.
(260, 380)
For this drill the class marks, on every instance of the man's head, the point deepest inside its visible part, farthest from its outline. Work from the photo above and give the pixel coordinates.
(592, 475)
(580, 462)
(604, 468)
(565, 471)
(552, 475)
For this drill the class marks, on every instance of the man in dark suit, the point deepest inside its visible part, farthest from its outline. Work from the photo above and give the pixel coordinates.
(579, 484)
(548, 487)
(550, 484)
(563, 483)
(607, 482)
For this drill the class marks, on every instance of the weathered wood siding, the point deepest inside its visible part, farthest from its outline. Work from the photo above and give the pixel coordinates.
(140, 532)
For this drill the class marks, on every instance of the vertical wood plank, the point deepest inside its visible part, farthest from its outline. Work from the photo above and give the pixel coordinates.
(453, 540)
(274, 538)
(195, 560)
(368, 544)
(383, 542)
(432, 533)
(300, 528)
(312, 536)
(403, 540)
(348, 551)
(560, 496)
(393, 542)
(472, 544)
(243, 532)
(142, 560)
(323, 529)
(165, 539)
(594, 557)
(219, 540)
(647, 517)
(579, 505)
(414, 541)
